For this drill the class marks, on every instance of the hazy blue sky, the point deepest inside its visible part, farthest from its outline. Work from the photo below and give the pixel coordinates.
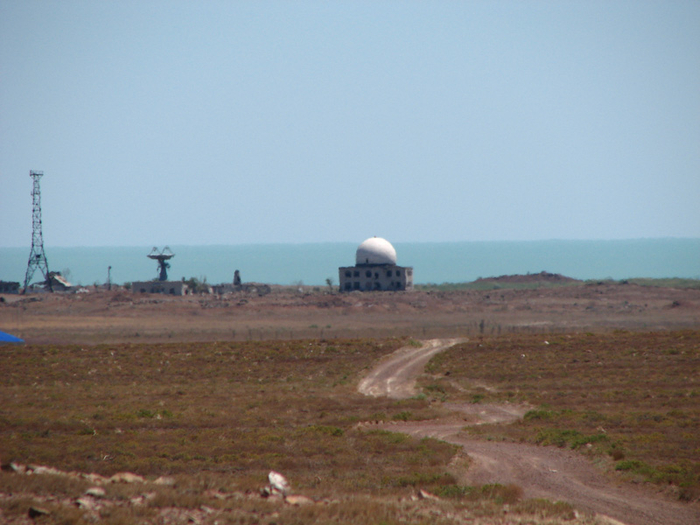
(180, 122)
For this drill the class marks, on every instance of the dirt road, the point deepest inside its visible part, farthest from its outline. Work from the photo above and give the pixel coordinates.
(542, 472)
(396, 376)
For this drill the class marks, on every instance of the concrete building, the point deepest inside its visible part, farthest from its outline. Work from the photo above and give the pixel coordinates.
(9, 287)
(375, 269)
(164, 287)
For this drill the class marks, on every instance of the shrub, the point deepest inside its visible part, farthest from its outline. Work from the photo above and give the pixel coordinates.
(538, 414)
(501, 494)
(554, 436)
(402, 416)
(633, 465)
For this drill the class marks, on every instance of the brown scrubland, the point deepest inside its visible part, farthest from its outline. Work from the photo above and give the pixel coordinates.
(494, 308)
(201, 397)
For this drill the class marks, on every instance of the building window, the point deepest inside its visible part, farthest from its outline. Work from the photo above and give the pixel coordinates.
(388, 273)
(409, 272)
(356, 273)
(347, 273)
(368, 273)
(348, 285)
(356, 285)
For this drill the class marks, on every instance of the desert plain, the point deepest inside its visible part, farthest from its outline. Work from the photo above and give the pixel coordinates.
(522, 304)
(517, 401)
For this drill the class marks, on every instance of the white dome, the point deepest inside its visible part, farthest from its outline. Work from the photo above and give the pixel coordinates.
(375, 250)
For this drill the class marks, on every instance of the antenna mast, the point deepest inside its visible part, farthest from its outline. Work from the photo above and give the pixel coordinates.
(37, 257)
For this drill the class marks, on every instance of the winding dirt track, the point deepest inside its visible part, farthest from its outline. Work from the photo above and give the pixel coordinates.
(542, 472)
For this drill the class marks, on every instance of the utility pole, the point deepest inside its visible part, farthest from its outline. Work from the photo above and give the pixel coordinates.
(37, 257)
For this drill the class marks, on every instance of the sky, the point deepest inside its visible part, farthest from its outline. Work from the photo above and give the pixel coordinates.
(219, 122)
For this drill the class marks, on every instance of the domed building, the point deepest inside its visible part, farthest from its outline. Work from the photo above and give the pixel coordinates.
(375, 269)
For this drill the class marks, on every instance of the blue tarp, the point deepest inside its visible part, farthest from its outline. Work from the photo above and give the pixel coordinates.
(7, 338)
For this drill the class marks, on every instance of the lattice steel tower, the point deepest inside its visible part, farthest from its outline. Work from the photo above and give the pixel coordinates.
(37, 257)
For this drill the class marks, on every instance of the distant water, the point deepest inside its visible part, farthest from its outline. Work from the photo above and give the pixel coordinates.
(314, 263)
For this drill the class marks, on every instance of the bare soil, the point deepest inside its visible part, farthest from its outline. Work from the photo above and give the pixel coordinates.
(291, 313)
(120, 316)
(543, 472)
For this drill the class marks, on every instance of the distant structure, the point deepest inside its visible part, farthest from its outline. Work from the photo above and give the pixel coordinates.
(9, 287)
(37, 257)
(162, 257)
(239, 286)
(375, 269)
(161, 284)
(163, 287)
(59, 283)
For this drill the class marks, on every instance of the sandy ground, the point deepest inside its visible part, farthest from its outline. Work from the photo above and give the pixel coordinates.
(542, 472)
(120, 316)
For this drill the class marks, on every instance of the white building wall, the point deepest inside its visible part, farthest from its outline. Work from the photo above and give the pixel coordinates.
(367, 278)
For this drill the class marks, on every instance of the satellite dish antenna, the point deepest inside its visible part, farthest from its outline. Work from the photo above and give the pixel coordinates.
(162, 257)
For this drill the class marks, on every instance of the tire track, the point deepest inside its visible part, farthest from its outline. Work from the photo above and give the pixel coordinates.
(542, 472)
(396, 376)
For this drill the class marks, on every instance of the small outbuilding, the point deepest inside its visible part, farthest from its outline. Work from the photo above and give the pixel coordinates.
(375, 269)
(9, 287)
(163, 287)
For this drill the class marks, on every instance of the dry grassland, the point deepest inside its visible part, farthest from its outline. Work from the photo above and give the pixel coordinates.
(307, 312)
(213, 393)
(217, 417)
(630, 400)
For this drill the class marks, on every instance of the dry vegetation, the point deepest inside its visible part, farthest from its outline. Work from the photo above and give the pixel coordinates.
(214, 392)
(304, 313)
(216, 417)
(632, 398)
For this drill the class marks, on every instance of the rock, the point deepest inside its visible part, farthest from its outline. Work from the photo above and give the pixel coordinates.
(165, 481)
(298, 500)
(216, 494)
(86, 502)
(424, 494)
(94, 478)
(36, 512)
(17, 468)
(96, 492)
(268, 492)
(38, 469)
(278, 482)
(126, 477)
